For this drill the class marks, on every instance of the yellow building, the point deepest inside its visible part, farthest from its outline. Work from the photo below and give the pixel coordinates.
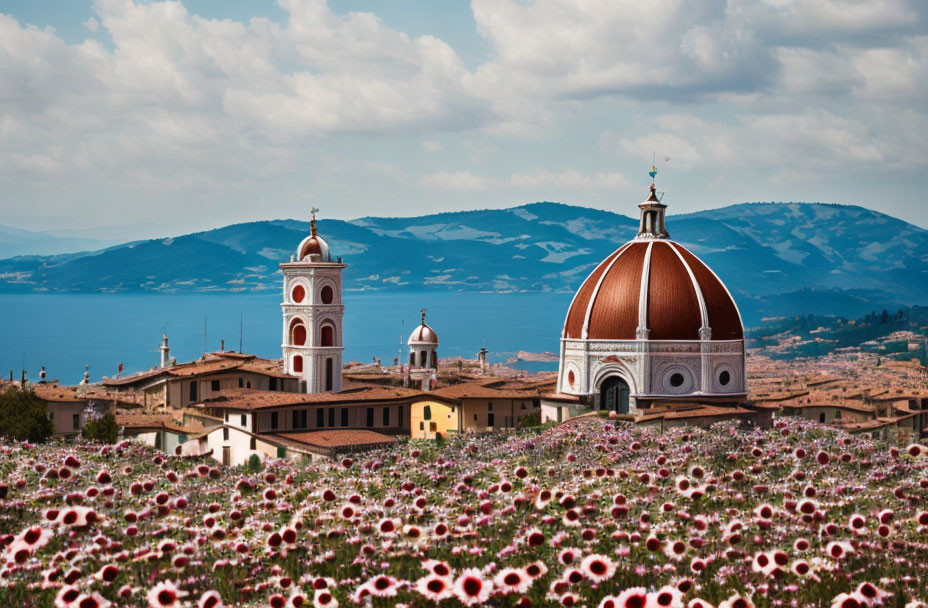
(472, 406)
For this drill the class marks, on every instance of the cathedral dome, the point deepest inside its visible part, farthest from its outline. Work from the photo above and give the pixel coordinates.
(654, 289)
(423, 335)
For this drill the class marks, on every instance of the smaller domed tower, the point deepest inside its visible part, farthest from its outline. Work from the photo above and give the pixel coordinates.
(423, 347)
(312, 315)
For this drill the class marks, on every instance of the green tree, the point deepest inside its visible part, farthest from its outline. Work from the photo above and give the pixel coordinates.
(103, 429)
(23, 416)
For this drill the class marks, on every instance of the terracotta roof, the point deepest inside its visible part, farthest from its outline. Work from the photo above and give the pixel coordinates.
(479, 390)
(211, 363)
(157, 421)
(252, 399)
(684, 411)
(675, 286)
(338, 439)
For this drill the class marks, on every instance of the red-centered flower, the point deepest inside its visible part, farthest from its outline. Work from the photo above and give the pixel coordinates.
(67, 596)
(598, 568)
(323, 598)
(512, 580)
(164, 595)
(610, 601)
(94, 600)
(382, 586)
(846, 600)
(210, 599)
(471, 588)
(666, 597)
(434, 588)
(636, 597)
(536, 569)
(737, 601)
(277, 601)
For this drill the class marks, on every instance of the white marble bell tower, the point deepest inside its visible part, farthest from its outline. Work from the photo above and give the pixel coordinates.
(312, 315)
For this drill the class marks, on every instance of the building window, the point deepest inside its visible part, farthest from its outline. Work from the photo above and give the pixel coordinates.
(522, 405)
(329, 374)
(297, 333)
(490, 406)
(297, 363)
(491, 420)
(193, 391)
(273, 420)
(214, 385)
(427, 412)
(320, 418)
(676, 380)
(225, 433)
(304, 419)
(241, 383)
(248, 384)
(327, 336)
(296, 419)
(724, 378)
(399, 415)
(344, 415)
(386, 416)
(327, 294)
(272, 384)
(475, 417)
(421, 426)
(331, 417)
(253, 444)
(226, 415)
(298, 294)
(76, 421)
(244, 420)
(370, 416)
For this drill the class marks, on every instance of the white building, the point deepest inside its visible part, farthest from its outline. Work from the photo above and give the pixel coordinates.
(312, 315)
(651, 325)
(423, 355)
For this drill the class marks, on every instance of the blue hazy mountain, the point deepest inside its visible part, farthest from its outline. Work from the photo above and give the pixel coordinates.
(16, 241)
(777, 258)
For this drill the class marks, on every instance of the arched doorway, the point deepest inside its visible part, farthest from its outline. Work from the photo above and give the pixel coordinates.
(613, 395)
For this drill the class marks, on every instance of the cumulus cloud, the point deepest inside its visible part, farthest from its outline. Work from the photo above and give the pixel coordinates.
(161, 104)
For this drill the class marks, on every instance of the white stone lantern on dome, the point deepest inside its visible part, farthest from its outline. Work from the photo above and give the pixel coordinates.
(312, 315)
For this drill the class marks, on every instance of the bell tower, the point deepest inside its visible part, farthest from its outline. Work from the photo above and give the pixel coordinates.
(312, 315)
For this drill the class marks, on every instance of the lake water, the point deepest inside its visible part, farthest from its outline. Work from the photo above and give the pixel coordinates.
(63, 332)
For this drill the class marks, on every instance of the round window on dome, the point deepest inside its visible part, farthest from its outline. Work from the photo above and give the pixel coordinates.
(724, 377)
(298, 294)
(677, 380)
(571, 378)
(327, 294)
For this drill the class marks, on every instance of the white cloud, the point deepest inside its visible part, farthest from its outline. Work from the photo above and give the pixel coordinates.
(459, 180)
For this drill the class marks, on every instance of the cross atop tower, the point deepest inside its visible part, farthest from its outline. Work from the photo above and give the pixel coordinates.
(423, 311)
(312, 222)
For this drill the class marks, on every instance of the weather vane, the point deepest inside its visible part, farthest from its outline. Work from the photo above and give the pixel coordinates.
(312, 222)
(653, 171)
(423, 311)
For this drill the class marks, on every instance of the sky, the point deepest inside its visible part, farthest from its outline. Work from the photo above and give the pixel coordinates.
(125, 119)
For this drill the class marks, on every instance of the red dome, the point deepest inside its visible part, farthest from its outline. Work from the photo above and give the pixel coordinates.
(657, 284)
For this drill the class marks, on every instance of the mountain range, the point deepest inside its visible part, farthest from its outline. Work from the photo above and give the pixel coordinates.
(776, 258)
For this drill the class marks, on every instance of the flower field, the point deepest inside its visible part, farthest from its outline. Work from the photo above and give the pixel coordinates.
(584, 514)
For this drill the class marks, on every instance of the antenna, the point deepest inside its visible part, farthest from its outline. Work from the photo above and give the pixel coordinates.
(205, 318)
(241, 323)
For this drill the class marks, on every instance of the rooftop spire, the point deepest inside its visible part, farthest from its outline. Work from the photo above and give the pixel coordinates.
(312, 222)
(423, 311)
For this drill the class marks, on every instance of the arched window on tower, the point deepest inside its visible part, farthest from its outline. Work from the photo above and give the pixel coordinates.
(329, 374)
(327, 336)
(327, 294)
(423, 359)
(434, 364)
(297, 363)
(412, 359)
(297, 333)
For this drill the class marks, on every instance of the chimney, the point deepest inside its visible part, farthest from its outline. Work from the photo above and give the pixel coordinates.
(222, 346)
(165, 352)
